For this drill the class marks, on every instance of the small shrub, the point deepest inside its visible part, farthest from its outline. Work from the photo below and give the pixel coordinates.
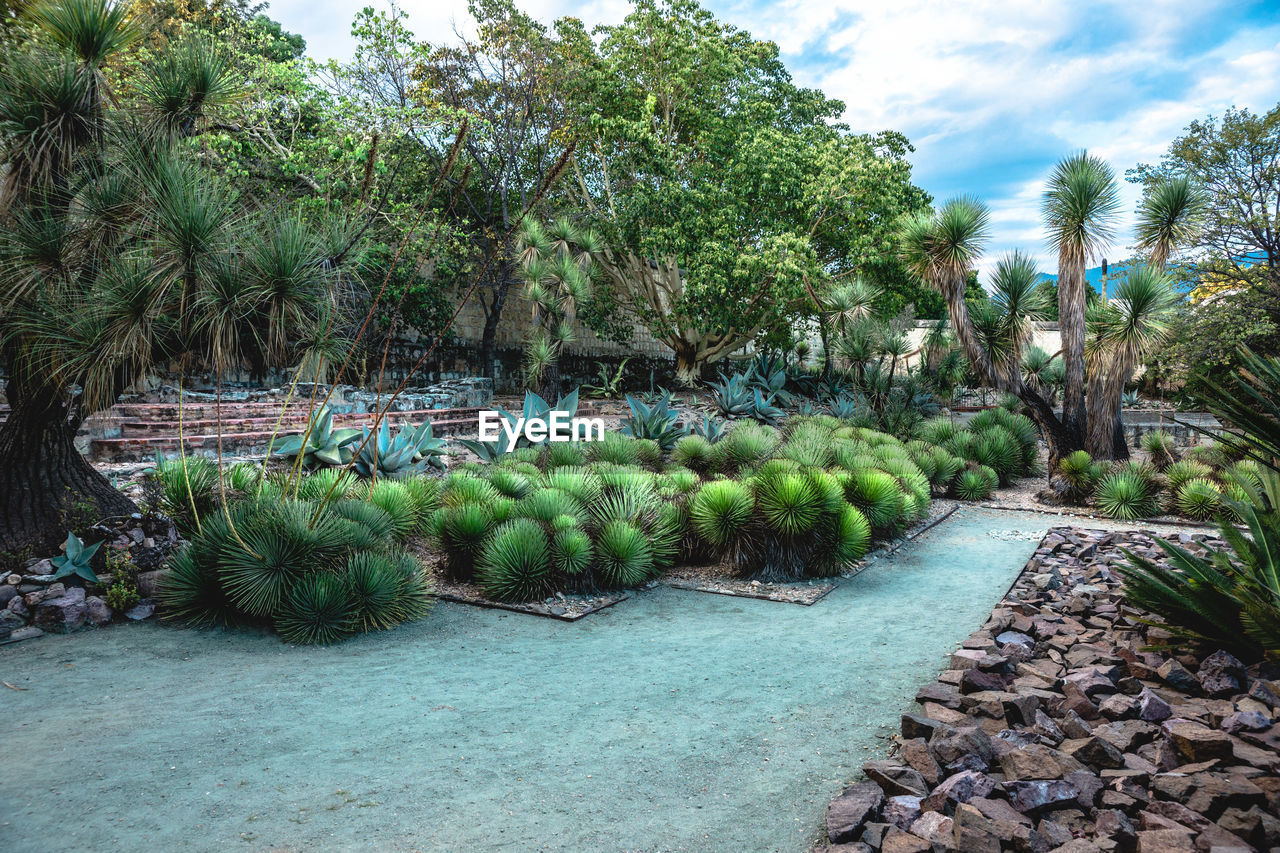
(1198, 499)
(1126, 495)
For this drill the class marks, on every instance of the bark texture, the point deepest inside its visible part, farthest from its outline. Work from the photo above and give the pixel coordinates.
(46, 485)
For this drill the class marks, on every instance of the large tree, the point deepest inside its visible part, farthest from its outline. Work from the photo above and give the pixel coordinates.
(721, 187)
(1079, 208)
(1232, 265)
(120, 252)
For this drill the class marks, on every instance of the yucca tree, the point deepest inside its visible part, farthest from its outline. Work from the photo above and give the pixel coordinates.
(848, 303)
(1123, 332)
(1169, 217)
(119, 253)
(557, 264)
(1079, 208)
(1016, 295)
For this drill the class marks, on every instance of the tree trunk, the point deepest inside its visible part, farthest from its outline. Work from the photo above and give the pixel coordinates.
(489, 337)
(1071, 310)
(46, 486)
(688, 370)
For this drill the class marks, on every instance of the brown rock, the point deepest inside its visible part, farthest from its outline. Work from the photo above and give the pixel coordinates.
(1037, 762)
(902, 811)
(1222, 675)
(915, 753)
(1174, 674)
(1165, 841)
(973, 832)
(895, 779)
(959, 788)
(1197, 742)
(896, 841)
(1093, 750)
(933, 827)
(849, 812)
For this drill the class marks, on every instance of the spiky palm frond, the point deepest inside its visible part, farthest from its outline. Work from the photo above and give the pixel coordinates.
(1080, 205)
(90, 30)
(1169, 216)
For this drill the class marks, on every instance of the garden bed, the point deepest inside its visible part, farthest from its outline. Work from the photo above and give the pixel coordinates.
(1054, 727)
(568, 608)
(803, 592)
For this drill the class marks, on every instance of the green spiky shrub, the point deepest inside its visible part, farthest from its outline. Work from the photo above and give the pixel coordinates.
(1080, 475)
(515, 563)
(615, 448)
(972, 485)
(879, 497)
(1198, 499)
(1183, 471)
(746, 446)
(188, 489)
(1126, 495)
(1160, 448)
(937, 430)
(315, 572)
(694, 452)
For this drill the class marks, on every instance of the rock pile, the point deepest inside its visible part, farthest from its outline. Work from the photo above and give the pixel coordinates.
(1052, 730)
(33, 601)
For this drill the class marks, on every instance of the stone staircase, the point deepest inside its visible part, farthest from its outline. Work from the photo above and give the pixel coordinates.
(136, 430)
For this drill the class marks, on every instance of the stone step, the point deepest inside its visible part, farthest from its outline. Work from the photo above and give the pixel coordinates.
(292, 421)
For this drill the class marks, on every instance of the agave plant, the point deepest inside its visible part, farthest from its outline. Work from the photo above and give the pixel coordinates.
(657, 421)
(401, 456)
(1126, 495)
(732, 396)
(320, 444)
(75, 559)
(712, 429)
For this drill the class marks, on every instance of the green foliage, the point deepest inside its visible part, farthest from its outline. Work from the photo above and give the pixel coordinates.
(610, 383)
(320, 444)
(1198, 499)
(187, 489)
(657, 421)
(972, 485)
(515, 563)
(623, 554)
(75, 560)
(1126, 495)
(317, 573)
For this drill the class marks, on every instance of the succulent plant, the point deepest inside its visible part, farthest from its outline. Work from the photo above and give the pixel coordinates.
(320, 444)
(407, 453)
(75, 559)
(732, 396)
(656, 421)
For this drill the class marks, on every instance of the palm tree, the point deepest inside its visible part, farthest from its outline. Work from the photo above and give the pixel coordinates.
(1079, 209)
(1015, 292)
(848, 303)
(119, 253)
(1123, 331)
(1169, 216)
(557, 265)
(941, 248)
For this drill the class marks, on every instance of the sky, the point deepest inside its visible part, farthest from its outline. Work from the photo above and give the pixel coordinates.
(990, 92)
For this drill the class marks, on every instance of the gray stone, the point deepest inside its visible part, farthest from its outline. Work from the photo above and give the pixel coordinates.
(27, 633)
(1178, 677)
(1246, 721)
(1152, 708)
(902, 810)
(149, 582)
(960, 788)
(144, 609)
(849, 812)
(96, 611)
(1037, 796)
(895, 779)
(62, 614)
(1222, 675)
